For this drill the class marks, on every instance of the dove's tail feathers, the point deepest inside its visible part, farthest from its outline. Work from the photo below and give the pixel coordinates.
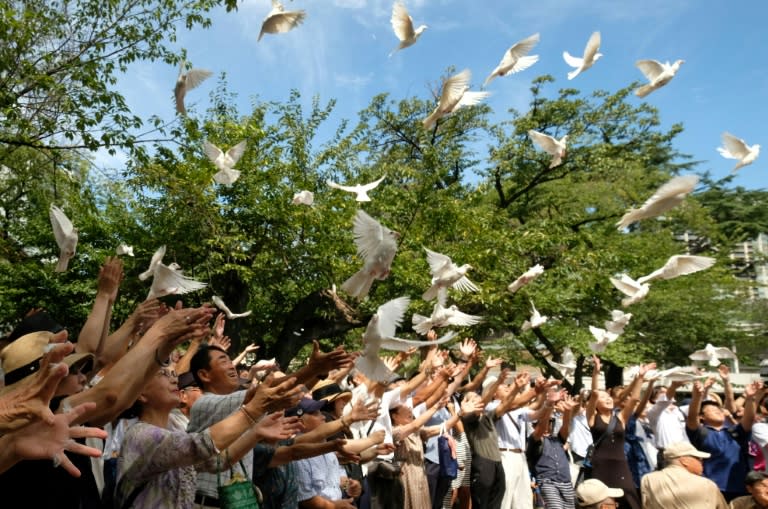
(573, 74)
(628, 301)
(374, 368)
(431, 293)
(423, 327)
(61, 266)
(358, 285)
(145, 275)
(261, 34)
(714, 362)
(416, 319)
(430, 121)
(489, 79)
(597, 347)
(235, 316)
(643, 91)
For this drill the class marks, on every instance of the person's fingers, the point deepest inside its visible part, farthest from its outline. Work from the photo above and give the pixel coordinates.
(75, 413)
(83, 450)
(86, 432)
(67, 465)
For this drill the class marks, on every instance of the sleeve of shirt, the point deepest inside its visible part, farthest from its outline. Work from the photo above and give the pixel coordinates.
(305, 483)
(491, 407)
(211, 408)
(655, 411)
(739, 434)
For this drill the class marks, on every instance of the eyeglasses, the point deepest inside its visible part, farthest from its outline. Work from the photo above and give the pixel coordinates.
(168, 373)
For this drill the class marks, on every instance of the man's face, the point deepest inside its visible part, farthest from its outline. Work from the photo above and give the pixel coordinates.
(312, 420)
(221, 374)
(759, 491)
(713, 415)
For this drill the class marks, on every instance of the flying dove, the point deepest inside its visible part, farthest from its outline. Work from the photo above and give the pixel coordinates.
(167, 279)
(380, 333)
(619, 320)
(679, 265)
(602, 338)
(402, 24)
(712, 354)
(230, 315)
(736, 148)
(590, 56)
(455, 94)
(552, 146)
(377, 245)
(361, 190)
(186, 82)
(124, 249)
(528, 276)
(65, 235)
(536, 321)
(515, 59)
(657, 73)
(225, 161)
(443, 316)
(279, 20)
(568, 366)
(679, 374)
(634, 291)
(446, 274)
(304, 198)
(665, 198)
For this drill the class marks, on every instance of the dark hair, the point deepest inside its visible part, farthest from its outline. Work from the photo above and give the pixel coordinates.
(202, 360)
(708, 402)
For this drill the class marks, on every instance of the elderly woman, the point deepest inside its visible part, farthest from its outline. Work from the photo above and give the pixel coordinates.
(594, 494)
(157, 465)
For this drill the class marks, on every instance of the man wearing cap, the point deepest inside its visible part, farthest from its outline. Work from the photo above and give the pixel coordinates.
(593, 494)
(757, 486)
(680, 484)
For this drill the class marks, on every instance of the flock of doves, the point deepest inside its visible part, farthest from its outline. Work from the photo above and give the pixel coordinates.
(377, 245)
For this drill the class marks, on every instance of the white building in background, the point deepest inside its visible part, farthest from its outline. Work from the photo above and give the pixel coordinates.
(750, 263)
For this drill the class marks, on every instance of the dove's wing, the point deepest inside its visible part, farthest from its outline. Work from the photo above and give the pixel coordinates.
(402, 23)
(197, 76)
(699, 355)
(402, 345)
(212, 151)
(460, 319)
(679, 265)
(157, 257)
(465, 285)
(650, 68)
(545, 142)
(369, 234)
(454, 87)
(736, 147)
(371, 185)
(62, 226)
(678, 185)
(349, 189)
(593, 44)
(169, 279)
(724, 353)
(571, 60)
(437, 261)
(471, 99)
(226, 176)
(626, 285)
(236, 152)
(391, 315)
(279, 21)
(522, 48)
(568, 357)
(220, 304)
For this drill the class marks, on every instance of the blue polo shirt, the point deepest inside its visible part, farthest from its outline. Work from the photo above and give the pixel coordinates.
(728, 466)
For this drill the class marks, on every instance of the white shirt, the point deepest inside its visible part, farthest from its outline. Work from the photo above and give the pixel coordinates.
(580, 437)
(511, 426)
(668, 422)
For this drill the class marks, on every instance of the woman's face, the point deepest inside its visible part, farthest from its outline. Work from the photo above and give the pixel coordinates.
(162, 390)
(604, 401)
(74, 382)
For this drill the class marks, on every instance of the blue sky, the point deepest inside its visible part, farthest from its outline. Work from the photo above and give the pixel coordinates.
(341, 52)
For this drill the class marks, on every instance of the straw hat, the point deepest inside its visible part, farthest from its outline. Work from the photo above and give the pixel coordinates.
(328, 390)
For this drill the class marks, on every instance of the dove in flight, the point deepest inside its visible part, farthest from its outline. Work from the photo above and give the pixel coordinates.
(619, 320)
(602, 338)
(279, 20)
(528, 276)
(65, 235)
(186, 82)
(402, 24)
(515, 59)
(634, 291)
(446, 274)
(124, 250)
(380, 333)
(664, 199)
(550, 145)
(225, 161)
(455, 94)
(712, 354)
(658, 74)
(376, 245)
(679, 374)
(736, 148)
(304, 198)
(443, 316)
(590, 56)
(361, 190)
(230, 315)
(568, 365)
(679, 265)
(536, 321)
(167, 279)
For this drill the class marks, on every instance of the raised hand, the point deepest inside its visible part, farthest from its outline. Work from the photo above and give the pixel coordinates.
(753, 388)
(222, 341)
(493, 362)
(324, 362)
(271, 396)
(645, 368)
(146, 314)
(218, 326)
(596, 363)
(362, 411)
(110, 277)
(522, 380)
(467, 348)
(724, 371)
(276, 426)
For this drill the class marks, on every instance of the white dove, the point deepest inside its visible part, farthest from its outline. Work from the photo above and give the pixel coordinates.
(665, 198)
(186, 82)
(590, 56)
(657, 73)
(536, 321)
(736, 148)
(455, 94)
(712, 354)
(225, 161)
(230, 315)
(679, 265)
(528, 276)
(65, 235)
(634, 291)
(167, 279)
(380, 333)
(446, 274)
(361, 190)
(124, 249)
(619, 320)
(443, 317)
(568, 365)
(279, 20)
(679, 374)
(515, 59)
(552, 146)
(304, 198)
(377, 245)
(602, 338)
(402, 24)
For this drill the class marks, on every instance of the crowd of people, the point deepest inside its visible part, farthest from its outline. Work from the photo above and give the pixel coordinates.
(157, 414)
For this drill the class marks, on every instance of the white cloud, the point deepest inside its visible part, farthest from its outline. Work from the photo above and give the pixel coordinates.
(353, 81)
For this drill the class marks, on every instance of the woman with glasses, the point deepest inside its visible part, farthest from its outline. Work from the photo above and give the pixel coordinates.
(157, 465)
